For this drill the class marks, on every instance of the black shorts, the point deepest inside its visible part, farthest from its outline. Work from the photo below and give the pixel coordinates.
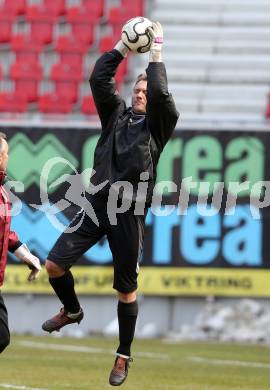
(125, 241)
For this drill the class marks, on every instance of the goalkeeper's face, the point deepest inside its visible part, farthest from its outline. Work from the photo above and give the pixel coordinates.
(3, 155)
(139, 97)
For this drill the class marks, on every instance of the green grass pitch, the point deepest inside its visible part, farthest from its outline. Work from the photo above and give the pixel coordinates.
(54, 363)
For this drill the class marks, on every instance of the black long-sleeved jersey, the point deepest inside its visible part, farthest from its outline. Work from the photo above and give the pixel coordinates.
(124, 149)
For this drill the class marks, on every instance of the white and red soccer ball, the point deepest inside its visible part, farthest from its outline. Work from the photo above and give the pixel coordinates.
(135, 35)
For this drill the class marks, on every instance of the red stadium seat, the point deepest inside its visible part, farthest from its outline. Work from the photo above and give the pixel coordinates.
(135, 6)
(12, 102)
(71, 50)
(41, 24)
(117, 16)
(88, 106)
(25, 49)
(120, 15)
(55, 7)
(51, 103)
(66, 78)
(107, 43)
(83, 21)
(6, 21)
(97, 5)
(15, 7)
(26, 77)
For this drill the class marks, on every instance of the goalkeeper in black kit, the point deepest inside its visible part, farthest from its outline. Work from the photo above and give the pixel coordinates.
(128, 151)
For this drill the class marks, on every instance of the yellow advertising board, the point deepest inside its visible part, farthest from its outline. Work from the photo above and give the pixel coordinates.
(152, 281)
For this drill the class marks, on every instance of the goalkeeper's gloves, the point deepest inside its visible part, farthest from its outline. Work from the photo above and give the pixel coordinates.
(156, 34)
(23, 254)
(123, 50)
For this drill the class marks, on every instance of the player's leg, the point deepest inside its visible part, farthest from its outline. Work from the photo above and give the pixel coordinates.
(127, 312)
(4, 331)
(66, 251)
(126, 243)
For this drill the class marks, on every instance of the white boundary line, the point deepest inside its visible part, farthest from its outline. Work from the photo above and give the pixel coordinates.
(77, 348)
(221, 362)
(10, 386)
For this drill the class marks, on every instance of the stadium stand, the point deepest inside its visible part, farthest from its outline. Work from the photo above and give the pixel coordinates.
(88, 106)
(55, 7)
(66, 79)
(41, 22)
(48, 48)
(6, 20)
(218, 58)
(83, 22)
(26, 77)
(217, 55)
(53, 104)
(71, 50)
(10, 102)
(25, 49)
(14, 7)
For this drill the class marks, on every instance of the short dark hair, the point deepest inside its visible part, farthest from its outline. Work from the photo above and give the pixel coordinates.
(141, 77)
(2, 136)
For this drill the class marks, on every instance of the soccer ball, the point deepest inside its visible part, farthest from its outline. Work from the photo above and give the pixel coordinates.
(135, 36)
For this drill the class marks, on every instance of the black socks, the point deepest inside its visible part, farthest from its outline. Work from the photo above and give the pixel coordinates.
(64, 289)
(127, 312)
(127, 316)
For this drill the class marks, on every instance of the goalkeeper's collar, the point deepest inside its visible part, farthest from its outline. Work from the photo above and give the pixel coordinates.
(133, 113)
(137, 115)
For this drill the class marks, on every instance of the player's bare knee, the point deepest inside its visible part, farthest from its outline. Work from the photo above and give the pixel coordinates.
(127, 297)
(54, 271)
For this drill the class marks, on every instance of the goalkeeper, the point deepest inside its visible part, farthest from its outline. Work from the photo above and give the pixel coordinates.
(9, 242)
(128, 150)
